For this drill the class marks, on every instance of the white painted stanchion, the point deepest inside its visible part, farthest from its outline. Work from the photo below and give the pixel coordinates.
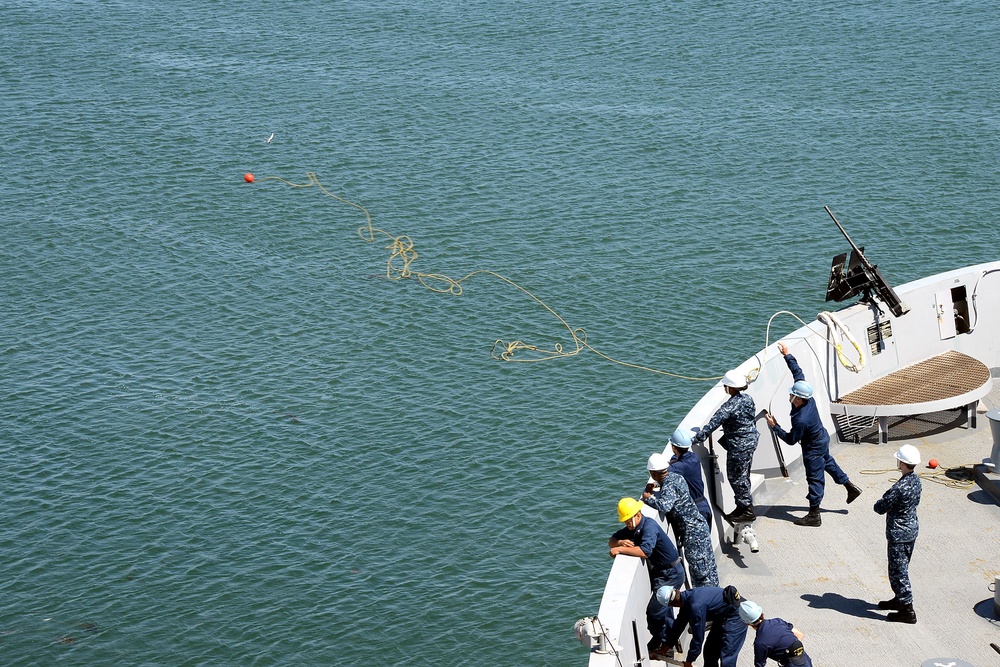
(996, 596)
(994, 417)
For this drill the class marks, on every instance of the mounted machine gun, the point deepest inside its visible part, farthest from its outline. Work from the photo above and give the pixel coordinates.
(860, 276)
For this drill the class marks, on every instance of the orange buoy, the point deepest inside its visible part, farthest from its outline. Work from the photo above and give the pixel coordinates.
(932, 463)
(248, 177)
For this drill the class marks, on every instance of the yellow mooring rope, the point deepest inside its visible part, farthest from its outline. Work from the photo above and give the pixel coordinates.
(961, 476)
(402, 255)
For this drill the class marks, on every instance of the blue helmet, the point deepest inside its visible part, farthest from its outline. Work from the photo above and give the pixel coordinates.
(802, 389)
(750, 612)
(664, 593)
(681, 438)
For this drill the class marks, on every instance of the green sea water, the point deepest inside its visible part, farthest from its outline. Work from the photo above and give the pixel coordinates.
(228, 439)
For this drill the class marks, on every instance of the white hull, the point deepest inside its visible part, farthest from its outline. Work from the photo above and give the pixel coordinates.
(916, 336)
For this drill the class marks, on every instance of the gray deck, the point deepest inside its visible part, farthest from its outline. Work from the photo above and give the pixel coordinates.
(827, 580)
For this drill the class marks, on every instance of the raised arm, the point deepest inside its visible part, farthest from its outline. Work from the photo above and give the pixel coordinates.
(792, 364)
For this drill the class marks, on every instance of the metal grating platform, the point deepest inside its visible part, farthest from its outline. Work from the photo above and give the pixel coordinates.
(938, 378)
(905, 427)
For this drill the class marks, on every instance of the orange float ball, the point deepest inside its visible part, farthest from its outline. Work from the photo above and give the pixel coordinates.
(932, 463)
(248, 177)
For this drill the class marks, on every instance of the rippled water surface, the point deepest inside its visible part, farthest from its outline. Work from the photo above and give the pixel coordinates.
(229, 440)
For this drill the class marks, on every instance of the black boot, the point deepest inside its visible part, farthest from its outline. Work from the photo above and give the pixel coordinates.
(904, 615)
(894, 603)
(811, 519)
(852, 492)
(661, 652)
(742, 515)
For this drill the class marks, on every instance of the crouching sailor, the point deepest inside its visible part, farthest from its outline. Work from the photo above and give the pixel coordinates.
(643, 538)
(776, 638)
(899, 504)
(699, 608)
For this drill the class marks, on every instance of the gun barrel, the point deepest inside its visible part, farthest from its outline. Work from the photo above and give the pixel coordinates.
(843, 231)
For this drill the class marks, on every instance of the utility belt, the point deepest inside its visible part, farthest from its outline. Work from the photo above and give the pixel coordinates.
(666, 573)
(795, 655)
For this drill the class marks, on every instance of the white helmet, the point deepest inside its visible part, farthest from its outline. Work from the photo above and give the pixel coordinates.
(658, 462)
(734, 379)
(909, 454)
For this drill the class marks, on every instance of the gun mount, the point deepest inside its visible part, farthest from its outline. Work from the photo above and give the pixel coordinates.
(859, 276)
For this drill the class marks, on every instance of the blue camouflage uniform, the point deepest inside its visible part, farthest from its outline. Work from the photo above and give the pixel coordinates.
(664, 565)
(807, 428)
(673, 500)
(899, 504)
(698, 607)
(775, 640)
(688, 466)
(737, 416)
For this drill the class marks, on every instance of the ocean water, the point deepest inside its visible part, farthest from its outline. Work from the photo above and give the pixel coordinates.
(229, 439)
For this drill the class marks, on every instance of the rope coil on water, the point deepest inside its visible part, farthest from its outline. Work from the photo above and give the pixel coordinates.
(403, 255)
(398, 267)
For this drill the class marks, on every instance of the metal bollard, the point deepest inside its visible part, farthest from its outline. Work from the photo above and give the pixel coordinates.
(994, 417)
(996, 596)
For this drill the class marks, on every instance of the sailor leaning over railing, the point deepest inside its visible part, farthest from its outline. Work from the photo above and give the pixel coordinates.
(643, 538)
(686, 463)
(673, 500)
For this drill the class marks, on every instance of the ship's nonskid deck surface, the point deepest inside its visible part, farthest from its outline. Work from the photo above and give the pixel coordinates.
(828, 580)
(941, 377)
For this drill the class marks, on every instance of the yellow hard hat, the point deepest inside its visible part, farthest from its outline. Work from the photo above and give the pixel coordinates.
(628, 508)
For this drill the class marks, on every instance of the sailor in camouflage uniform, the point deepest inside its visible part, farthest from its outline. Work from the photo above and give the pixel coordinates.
(737, 416)
(673, 501)
(899, 504)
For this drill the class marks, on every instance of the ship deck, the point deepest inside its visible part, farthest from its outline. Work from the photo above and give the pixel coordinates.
(827, 580)
(943, 382)
(946, 376)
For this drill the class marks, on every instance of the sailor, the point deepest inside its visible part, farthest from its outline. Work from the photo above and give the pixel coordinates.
(899, 504)
(643, 538)
(700, 607)
(686, 463)
(776, 638)
(737, 416)
(808, 429)
(673, 500)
